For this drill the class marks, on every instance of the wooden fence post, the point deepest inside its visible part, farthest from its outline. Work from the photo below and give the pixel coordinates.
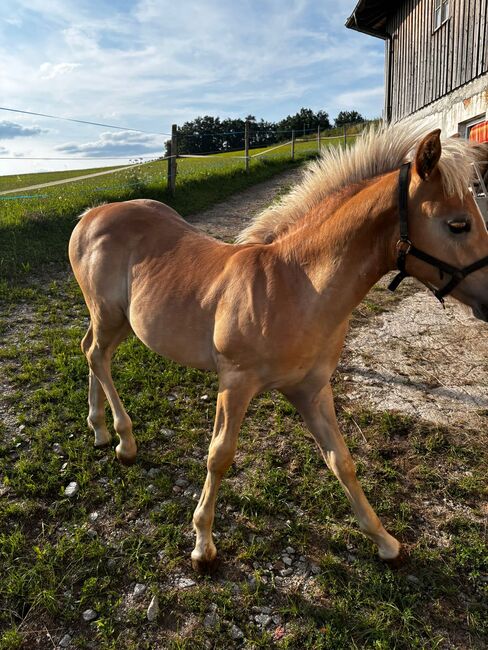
(293, 144)
(318, 138)
(246, 145)
(173, 152)
(345, 136)
(168, 149)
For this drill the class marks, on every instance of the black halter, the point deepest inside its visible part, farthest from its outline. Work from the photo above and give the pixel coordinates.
(405, 247)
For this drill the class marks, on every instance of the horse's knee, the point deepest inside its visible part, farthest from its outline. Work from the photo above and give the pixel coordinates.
(220, 457)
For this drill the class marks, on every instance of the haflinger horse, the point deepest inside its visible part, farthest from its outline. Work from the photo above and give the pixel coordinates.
(272, 311)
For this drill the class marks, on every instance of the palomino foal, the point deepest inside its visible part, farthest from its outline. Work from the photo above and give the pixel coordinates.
(274, 315)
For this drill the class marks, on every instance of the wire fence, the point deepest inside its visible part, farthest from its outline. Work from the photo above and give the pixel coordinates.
(151, 170)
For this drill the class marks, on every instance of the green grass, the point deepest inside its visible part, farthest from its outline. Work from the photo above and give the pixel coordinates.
(427, 483)
(55, 563)
(35, 232)
(25, 180)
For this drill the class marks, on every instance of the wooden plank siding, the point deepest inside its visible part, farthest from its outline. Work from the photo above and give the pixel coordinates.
(429, 63)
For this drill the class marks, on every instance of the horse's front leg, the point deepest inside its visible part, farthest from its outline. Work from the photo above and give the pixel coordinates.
(232, 402)
(317, 409)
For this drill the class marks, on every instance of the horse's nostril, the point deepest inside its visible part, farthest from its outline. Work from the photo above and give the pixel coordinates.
(481, 312)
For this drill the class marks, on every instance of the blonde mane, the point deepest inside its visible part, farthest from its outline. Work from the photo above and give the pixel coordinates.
(379, 150)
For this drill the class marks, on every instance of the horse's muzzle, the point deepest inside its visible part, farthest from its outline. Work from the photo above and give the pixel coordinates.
(481, 312)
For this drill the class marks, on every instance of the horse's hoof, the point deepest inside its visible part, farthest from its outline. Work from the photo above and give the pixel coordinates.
(398, 561)
(205, 567)
(102, 445)
(125, 459)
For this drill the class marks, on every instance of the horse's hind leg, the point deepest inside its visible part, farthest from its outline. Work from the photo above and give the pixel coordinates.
(99, 346)
(96, 401)
(317, 409)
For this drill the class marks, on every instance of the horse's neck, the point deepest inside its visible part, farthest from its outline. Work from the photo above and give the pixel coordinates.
(345, 253)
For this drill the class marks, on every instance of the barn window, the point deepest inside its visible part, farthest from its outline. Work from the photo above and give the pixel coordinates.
(441, 12)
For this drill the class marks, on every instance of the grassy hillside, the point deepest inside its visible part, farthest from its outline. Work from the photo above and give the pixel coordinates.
(35, 231)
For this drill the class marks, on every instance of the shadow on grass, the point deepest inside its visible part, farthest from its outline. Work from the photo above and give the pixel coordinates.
(35, 239)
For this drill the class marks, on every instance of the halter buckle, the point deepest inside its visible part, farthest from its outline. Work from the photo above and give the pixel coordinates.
(403, 246)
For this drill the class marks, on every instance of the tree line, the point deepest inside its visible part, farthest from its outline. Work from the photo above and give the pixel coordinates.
(212, 135)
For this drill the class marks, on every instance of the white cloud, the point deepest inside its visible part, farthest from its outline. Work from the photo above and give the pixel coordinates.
(352, 98)
(51, 70)
(152, 63)
(10, 130)
(121, 143)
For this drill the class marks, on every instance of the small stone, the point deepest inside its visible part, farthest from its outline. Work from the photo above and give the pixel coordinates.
(89, 615)
(211, 620)
(65, 641)
(92, 517)
(64, 466)
(92, 533)
(139, 589)
(57, 448)
(287, 560)
(153, 609)
(177, 489)
(171, 397)
(286, 572)
(315, 569)
(184, 583)
(167, 433)
(290, 550)
(263, 620)
(22, 427)
(71, 489)
(154, 471)
(204, 398)
(236, 633)
(182, 483)
(151, 488)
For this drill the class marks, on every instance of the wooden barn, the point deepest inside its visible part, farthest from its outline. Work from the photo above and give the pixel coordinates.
(436, 60)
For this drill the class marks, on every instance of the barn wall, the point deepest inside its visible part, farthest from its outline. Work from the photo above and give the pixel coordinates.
(451, 112)
(428, 65)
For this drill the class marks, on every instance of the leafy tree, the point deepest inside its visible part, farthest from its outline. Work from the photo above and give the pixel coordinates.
(209, 134)
(305, 121)
(348, 117)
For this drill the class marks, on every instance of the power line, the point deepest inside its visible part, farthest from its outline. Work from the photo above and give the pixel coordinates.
(70, 119)
(153, 157)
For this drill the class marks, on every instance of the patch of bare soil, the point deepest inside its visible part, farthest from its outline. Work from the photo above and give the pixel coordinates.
(224, 220)
(422, 360)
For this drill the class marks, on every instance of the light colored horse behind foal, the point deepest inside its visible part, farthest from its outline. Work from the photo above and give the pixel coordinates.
(272, 315)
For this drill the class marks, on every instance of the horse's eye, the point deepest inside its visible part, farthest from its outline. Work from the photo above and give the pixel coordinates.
(457, 227)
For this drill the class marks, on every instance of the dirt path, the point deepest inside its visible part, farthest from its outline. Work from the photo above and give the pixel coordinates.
(224, 220)
(421, 360)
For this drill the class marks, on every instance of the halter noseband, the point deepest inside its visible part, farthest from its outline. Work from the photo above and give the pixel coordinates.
(405, 247)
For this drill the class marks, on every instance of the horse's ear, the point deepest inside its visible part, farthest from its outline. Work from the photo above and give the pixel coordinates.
(428, 154)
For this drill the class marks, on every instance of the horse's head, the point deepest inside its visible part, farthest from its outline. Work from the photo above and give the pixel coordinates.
(444, 222)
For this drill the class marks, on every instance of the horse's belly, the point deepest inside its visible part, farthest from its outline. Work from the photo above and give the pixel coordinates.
(184, 340)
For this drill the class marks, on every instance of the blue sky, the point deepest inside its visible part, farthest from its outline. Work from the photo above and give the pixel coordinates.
(146, 64)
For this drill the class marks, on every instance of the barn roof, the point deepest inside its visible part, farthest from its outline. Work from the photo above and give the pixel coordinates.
(370, 16)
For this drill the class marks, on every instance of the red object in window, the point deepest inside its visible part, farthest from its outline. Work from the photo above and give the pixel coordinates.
(479, 133)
